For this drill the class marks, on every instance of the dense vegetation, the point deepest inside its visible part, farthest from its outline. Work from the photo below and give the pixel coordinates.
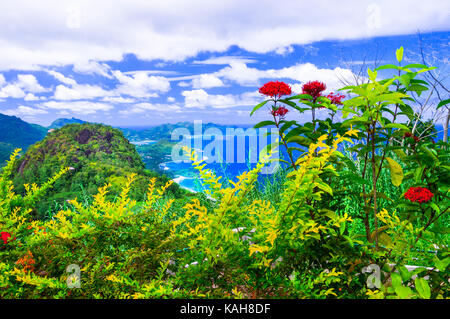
(97, 155)
(359, 203)
(155, 153)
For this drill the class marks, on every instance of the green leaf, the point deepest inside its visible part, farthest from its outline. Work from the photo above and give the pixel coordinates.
(403, 292)
(431, 153)
(372, 74)
(442, 264)
(257, 107)
(387, 67)
(404, 272)
(400, 153)
(396, 280)
(287, 125)
(404, 79)
(443, 102)
(264, 123)
(399, 54)
(295, 131)
(399, 126)
(299, 96)
(290, 103)
(414, 66)
(417, 88)
(385, 240)
(342, 228)
(407, 110)
(324, 187)
(422, 288)
(299, 140)
(418, 172)
(396, 172)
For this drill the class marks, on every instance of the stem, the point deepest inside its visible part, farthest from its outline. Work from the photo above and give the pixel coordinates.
(277, 124)
(374, 186)
(366, 218)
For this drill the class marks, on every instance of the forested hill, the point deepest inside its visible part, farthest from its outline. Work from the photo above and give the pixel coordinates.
(16, 133)
(98, 154)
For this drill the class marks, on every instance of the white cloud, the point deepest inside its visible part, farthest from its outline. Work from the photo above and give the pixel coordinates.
(145, 107)
(79, 92)
(183, 84)
(240, 73)
(201, 99)
(92, 67)
(61, 77)
(284, 50)
(141, 84)
(246, 76)
(118, 99)
(170, 99)
(38, 33)
(79, 107)
(19, 88)
(11, 90)
(224, 60)
(30, 97)
(25, 111)
(206, 81)
(29, 83)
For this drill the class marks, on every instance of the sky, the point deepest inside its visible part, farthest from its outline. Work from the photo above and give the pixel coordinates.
(143, 63)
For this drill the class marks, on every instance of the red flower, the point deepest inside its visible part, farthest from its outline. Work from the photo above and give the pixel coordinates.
(335, 99)
(419, 195)
(5, 236)
(408, 134)
(280, 111)
(314, 88)
(275, 89)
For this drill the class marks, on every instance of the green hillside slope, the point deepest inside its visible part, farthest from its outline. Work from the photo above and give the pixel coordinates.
(98, 154)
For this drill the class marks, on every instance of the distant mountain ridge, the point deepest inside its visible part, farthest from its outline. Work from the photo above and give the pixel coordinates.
(16, 133)
(164, 131)
(58, 123)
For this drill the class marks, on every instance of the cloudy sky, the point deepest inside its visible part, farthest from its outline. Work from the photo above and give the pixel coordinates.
(134, 63)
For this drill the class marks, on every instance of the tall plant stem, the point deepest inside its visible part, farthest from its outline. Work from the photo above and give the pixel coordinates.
(366, 212)
(374, 185)
(277, 124)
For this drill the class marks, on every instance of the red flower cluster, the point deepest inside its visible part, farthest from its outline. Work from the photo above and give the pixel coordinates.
(280, 111)
(419, 195)
(314, 88)
(275, 89)
(5, 236)
(335, 98)
(408, 134)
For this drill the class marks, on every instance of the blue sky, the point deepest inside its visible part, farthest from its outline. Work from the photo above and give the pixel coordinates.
(145, 62)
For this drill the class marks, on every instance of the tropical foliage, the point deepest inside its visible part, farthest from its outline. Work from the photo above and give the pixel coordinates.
(359, 210)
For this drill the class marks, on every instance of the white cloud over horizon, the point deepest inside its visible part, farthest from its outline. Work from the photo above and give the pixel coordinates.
(132, 59)
(34, 34)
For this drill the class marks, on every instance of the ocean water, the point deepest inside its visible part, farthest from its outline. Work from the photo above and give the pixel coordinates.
(243, 158)
(227, 156)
